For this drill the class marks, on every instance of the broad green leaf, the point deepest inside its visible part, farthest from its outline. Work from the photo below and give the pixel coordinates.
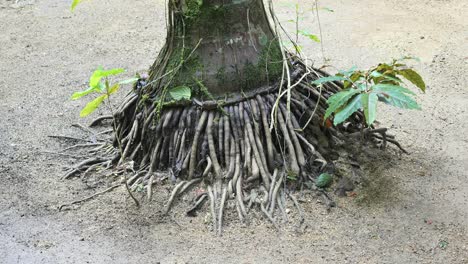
(114, 88)
(413, 77)
(328, 79)
(347, 111)
(386, 88)
(78, 95)
(398, 99)
(129, 81)
(369, 104)
(74, 4)
(100, 73)
(180, 93)
(338, 100)
(93, 105)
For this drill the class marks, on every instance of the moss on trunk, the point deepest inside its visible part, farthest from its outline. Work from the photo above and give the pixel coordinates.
(226, 47)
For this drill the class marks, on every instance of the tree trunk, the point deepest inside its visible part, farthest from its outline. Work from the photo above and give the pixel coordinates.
(217, 48)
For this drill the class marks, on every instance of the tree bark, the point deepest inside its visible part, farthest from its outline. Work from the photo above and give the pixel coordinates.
(218, 48)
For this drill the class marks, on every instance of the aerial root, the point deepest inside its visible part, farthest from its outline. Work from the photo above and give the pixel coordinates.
(99, 120)
(180, 188)
(89, 197)
(82, 166)
(198, 202)
(233, 152)
(230, 149)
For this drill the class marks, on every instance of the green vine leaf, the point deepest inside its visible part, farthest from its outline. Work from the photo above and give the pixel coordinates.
(181, 93)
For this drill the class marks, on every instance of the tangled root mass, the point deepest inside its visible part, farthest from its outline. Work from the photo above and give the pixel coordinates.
(229, 146)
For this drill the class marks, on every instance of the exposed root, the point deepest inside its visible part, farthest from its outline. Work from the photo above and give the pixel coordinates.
(198, 202)
(70, 138)
(86, 145)
(89, 197)
(99, 120)
(228, 146)
(82, 166)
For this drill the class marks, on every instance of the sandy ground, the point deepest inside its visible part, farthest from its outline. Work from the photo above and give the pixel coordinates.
(415, 212)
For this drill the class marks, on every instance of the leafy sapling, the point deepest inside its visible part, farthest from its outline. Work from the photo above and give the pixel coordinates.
(99, 84)
(364, 88)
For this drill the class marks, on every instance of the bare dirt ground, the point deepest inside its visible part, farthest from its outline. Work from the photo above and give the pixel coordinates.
(415, 211)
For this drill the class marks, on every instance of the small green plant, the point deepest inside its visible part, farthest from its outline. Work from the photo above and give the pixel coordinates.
(364, 88)
(299, 16)
(99, 84)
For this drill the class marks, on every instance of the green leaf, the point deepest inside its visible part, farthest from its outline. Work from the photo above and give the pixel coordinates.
(324, 180)
(180, 93)
(93, 105)
(328, 79)
(383, 67)
(114, 88)
(369, 103)
(413, 77)
(129, 81)
(74, 4)
(338, 100)
(100, 73)
(385, 88)
(78, 95)
(110, 72)
(347, 111)
(399, 99)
